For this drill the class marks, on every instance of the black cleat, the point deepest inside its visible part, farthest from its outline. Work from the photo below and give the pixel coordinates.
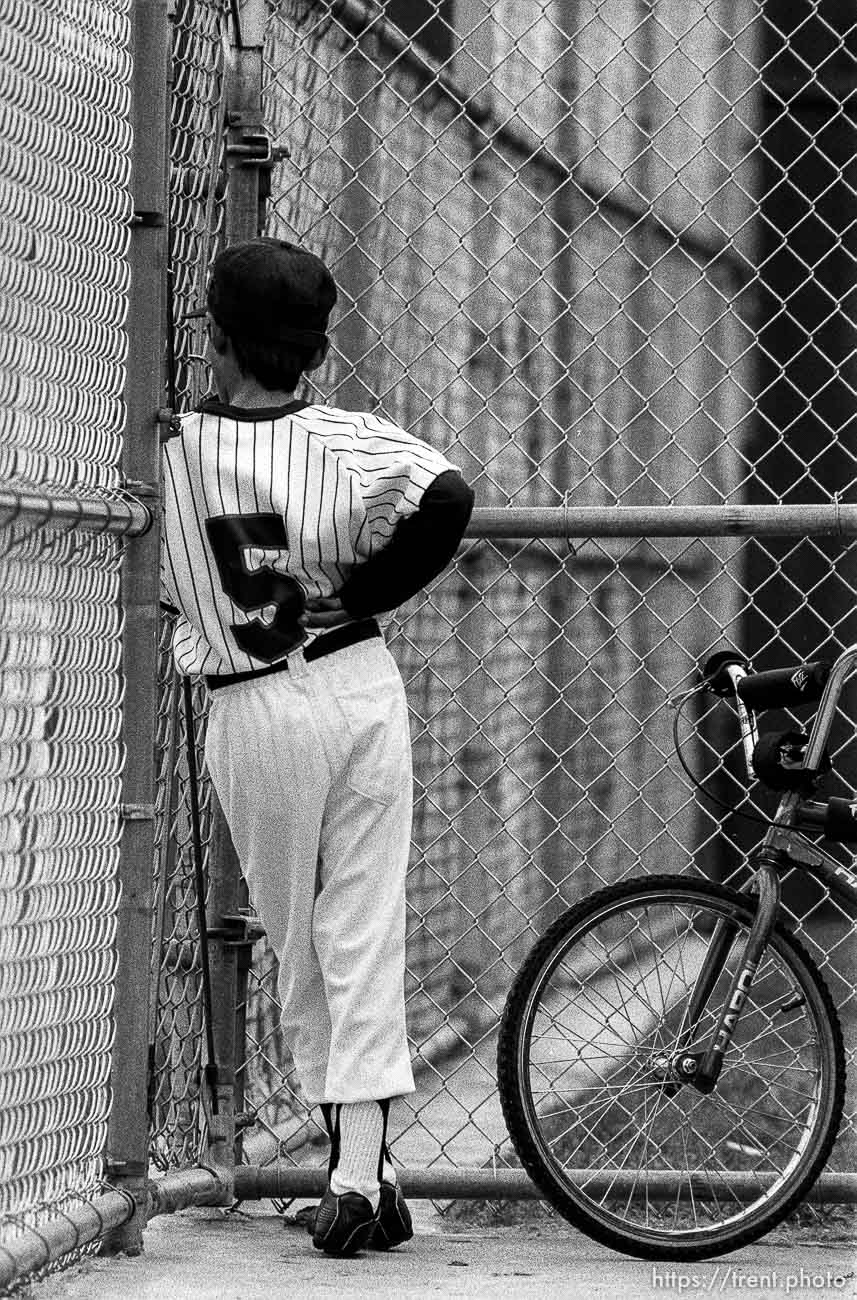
(393, 1224)
(343, 1224)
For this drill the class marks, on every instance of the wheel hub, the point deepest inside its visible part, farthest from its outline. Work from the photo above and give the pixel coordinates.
(678, 1069)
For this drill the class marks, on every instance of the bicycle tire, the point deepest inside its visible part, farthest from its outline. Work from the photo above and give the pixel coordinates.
(652, 1168)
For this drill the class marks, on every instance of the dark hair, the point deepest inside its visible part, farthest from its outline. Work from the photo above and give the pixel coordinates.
(273, 365)
(272, 299)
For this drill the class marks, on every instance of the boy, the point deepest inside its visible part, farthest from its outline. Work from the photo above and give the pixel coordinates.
(288, 526)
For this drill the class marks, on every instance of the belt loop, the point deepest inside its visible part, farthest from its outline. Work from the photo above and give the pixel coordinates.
(297, 664)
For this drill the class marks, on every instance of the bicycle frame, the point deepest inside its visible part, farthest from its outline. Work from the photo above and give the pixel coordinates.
(783, 846)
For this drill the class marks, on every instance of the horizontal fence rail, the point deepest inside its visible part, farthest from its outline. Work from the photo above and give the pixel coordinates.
(282, 1181)
(125, 516)
(78, 1226)
(665, 521)
(132, 518)
(37, 1247)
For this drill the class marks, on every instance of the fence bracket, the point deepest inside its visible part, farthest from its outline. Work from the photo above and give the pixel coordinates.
(169, 424)
(253, 146)
(237, 930)
(137, 812)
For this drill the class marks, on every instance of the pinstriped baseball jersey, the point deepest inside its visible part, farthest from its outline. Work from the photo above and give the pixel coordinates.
(266, 508)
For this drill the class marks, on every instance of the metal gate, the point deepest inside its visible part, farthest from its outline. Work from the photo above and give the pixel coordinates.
(601, 254)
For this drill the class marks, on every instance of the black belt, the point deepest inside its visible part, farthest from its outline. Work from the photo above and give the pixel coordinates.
(338, 639)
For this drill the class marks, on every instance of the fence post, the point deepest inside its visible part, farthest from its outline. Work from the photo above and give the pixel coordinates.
(248, 160)
(248, 143)
(127, 1140)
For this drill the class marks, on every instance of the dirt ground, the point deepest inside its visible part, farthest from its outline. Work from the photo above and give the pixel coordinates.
(257, 1254)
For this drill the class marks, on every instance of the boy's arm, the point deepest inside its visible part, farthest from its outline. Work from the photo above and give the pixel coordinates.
(420, 548)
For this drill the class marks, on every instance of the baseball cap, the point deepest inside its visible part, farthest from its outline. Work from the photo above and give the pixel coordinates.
(270, 291)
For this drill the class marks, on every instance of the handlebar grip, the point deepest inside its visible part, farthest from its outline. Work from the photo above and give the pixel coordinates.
(782, 687)
(776, 689)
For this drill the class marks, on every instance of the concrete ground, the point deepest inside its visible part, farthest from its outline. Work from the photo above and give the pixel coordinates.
(254, 1254)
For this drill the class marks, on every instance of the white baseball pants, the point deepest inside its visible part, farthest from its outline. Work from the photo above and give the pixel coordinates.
(312, 767)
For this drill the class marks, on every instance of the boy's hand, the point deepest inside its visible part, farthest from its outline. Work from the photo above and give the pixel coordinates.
(324, 612)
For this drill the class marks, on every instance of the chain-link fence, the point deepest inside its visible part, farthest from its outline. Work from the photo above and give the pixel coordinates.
(200, 35)
(602, 255)
(64, 211)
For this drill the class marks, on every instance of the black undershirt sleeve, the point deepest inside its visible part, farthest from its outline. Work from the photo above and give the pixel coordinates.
(420, 548)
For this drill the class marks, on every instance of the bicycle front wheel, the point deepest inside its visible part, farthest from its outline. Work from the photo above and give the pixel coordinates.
(592, 1029)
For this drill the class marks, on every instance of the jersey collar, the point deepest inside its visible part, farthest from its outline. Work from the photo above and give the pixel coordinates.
(251, 412)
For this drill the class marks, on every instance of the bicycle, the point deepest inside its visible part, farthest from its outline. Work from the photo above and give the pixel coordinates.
(670, 1061)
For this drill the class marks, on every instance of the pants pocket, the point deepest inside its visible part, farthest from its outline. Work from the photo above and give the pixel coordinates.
(378, 764)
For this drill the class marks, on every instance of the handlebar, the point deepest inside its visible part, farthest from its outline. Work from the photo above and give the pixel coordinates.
(727, 674)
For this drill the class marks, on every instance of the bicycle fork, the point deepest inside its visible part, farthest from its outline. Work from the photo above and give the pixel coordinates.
(702, 1069)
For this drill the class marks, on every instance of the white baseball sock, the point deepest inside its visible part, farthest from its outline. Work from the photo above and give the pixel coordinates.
(361, 1132)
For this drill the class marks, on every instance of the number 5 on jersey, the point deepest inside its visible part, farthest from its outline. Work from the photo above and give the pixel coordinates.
(230, 538)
